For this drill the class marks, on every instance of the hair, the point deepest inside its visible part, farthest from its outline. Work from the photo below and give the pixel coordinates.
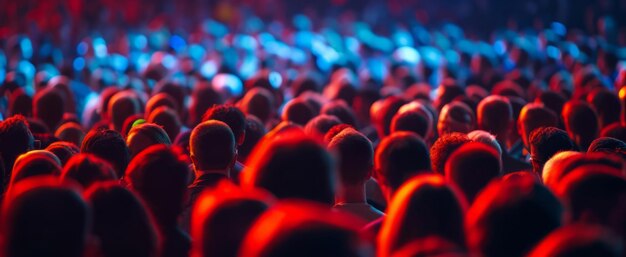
(292, 166)
(545, 142)
(108, 145)
(121, 106)
(222, 217)
(20, 103)
(399, 157)
(159, 175)
(552, 100)
(533, 116)
(168, 119)
(472, 167)
(212, 145)
(159, 100)
(258, 102)
(298, 111)
(495, 115)
(71, 132)
(443, 147)
(608, 145)
(232, 116)
(432, 246)
(294, 228)
(615, 130)
(121, 222)
(383, 117)
(341, 110)
(320, 125)
(554, 165)
(416, 210)
(144, 135)
(411, 121)
(202, 98)
(484, 137)
(455, 117)
(35, 163)
(87, 169)
(510, 216)
(63, 150)
(581, 123)
(606, 104)
(49, 107)
(44, 218)
(16, 139)
(578, 240)
(448, 91)
(254, 132)
(355, 156)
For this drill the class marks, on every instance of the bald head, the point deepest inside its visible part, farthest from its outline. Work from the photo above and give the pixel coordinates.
(212, 146)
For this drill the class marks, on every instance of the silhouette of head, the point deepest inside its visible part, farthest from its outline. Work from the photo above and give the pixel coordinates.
(212, 146)
(108, 145)
(472, 167)
(87, 169)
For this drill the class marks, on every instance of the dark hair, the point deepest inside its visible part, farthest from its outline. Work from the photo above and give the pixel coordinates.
(108, 145)
(615, 130)
(212, 145)
(355, 156)
(203, 97)
(456, 117)
(608, 145)
(121, 222)
(254, 132)
(87, 169)
(121, 106)
(533, 116)
(258, 102)
(443, 147)
(578, 240)
(320, 125)
(63, 150)
(399, 157)
(510, 216)
(494, 115)
(143, 135)
(472, 167)
(168, 119)
(35, 163)
(410, 121)
(232, 116)
(298, 111)
(341, 110)
(159, 100)
(388, 108)
(49, 107)
(606, 104)
(581, 123)
(70, 132)
(545, 142)
(16, 139)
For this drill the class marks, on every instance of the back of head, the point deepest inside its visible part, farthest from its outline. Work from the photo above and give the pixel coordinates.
(552, 100)
(158, 100)
(159, 175)
(108, 145)
(578, 241)
(222, 217)
(443, 148)
(232, 116)
(167, 118)
(71, 132)
(615, 130)
(455, 117)
(63, 150)
(383, 117)
(399, 157)
(554, 165)
(581, 123)
(341, 110)
(16, 139)
(87, 169)
(495, 115)
(121, 222)
(606, 104)
(254, 132)
(485, 138)
(544, 143)
(49, 107)
(355, 156)
(305, 230)
(510, 216)
(144, 135)
(298, 111)
(318, 126)
(258, 102)
(415, 212)
(122, 105)
(533, 116)
(608, 145)
(411, 121)
(35, 163)
(292, 165)
(472, 167)
(202, 99)
(44, 218)
(212, 146)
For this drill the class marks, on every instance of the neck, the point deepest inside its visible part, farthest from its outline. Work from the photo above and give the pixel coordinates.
(351, 194)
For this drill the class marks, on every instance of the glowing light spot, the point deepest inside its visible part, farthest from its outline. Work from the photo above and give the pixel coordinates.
(228, 82)
(79, 64)
(27, 48)
(208, 69)
(81, 49)
(99, 47)
(559, 28)
(407, 54)
(177, 43)
(169, 61)
(275, 79)
(500, 47)
(553, 52)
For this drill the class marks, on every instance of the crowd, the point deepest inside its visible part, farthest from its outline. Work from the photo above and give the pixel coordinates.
(314, 138)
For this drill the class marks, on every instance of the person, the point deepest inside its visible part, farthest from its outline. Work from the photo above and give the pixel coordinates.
(222, 217)
(606, 104)
(213, 153)
(299, 228)
(533, 116)
(456, 117)
(70, 132)
(63, 150)
(382, 112)
(412, 214)
(121, 106)
(49, 106)
(41, 217)
(16, 139)
(203, 98)
(236, 121)
(260, 103)
(320, 125)
(355, 164)
(412, 121)
(108, 145)
(510, 216)
(144, 135)
(341, 110)
(159, 175)
(495, 115)
(298, 111)
(291, 165)
(581, 123)
(443, 147)
(35, 163)
(578, 240)
(472, 167)
(255, 130)
(167, 118)
(87, 169)
(545, 142)
(121, 222)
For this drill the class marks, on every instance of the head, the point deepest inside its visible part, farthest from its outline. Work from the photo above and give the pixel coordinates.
(510, 216)
(222, 217)
(606, 104)
(44, 218)
(48, 106)
(534, 116)
(608, 145)
(355, 157)
(577, 241)
(144, 135)
(341, 110)
(202, 99)
(232, 116)
(168, 119)
(412, 121)
(70, 132)
(212, 146)
(158, 100)
(292, 165)
(304, 229)
(121, 222)
(63, 150)
(121, 106)
(320, 125)
(413, 214)
(159, 175)
(545, 142)
(16, 139)
(108, 145)
(495, 115)
(260, 103)
(443, 148)
(382, 113)
(87, 169)
(472, 167)
(35, 163)
(614, 130)
(581, 123)
(455, 117)
(399, 157)
(485, 138)
(554, 165)
(254, 132)
(298, 111)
